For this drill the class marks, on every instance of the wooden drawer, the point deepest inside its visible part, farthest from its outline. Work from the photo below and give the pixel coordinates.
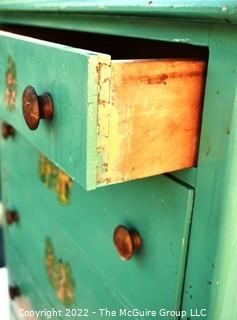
(30, 297)
(82, 232)
(113, 120)
(88, 293)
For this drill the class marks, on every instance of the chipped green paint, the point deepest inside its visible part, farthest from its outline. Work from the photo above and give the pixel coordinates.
(213, 236)
(11, 84)
(80, 110)
(55, 179)
(60, 275)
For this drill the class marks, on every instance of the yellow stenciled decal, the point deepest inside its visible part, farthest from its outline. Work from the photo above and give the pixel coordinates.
(60, 275)
(11, 84)
(55, 179)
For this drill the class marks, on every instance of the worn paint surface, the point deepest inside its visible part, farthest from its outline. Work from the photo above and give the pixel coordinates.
(59, 274)
(82, 234)
(210, 10)
(75, 105)
(10, 83)
(55, 179)
(31, 297)
(209, 254)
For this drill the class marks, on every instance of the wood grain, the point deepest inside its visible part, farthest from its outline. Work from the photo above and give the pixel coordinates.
(149, 121)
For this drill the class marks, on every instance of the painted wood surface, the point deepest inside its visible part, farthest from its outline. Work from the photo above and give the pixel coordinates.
(31, 298)
(216, 158)
(148, 115)
(82, 234)
(213, 240)
(70, 75)
(149, 120)
(211, 10)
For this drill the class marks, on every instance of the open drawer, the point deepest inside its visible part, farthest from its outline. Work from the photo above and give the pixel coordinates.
(107, 121)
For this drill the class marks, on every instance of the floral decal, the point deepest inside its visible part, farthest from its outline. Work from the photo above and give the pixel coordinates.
(55, 179)
(10, 83)
(60, 275)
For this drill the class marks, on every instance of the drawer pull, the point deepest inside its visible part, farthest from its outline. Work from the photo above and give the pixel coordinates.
(7, 130)
(36, 107)
(14, 292)
(127, 242)
(12, 217)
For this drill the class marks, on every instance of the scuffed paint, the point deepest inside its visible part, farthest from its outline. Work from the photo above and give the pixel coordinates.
(108, 129)
(11, 84)
(59, 274)
(55, 179)
(184, 40)
(183, 242)
(103, 115)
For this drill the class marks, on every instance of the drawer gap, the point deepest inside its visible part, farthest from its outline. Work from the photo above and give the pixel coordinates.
(118, 47)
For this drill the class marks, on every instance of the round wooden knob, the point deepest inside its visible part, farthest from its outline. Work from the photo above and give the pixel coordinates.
(12, 217)
(7, 130)
(36, 107)
(127, 242)
(14, 292)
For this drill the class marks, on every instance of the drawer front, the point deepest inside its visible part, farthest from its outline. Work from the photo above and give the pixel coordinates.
(81, 232)
(38, 290)
(30, 298)
(112, 120)
(69, 75)
(70, 281)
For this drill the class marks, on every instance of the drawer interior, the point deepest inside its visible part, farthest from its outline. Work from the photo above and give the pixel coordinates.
(118, 47)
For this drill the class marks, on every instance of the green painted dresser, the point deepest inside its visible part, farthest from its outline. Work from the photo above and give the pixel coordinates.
(118, 156)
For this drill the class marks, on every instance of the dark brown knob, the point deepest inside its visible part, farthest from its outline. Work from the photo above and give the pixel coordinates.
(14, 292)
(127, 242)
(7, 130)
(36, 107)
(12, 217)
